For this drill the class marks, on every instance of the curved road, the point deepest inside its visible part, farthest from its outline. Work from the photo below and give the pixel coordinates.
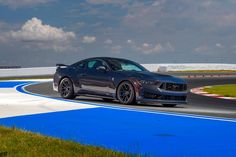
(198, 105)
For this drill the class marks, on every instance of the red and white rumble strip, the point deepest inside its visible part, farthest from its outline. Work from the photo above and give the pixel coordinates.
(200, 91)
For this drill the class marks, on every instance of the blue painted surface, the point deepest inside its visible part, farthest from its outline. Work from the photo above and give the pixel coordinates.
(11, 84)
(136, 132)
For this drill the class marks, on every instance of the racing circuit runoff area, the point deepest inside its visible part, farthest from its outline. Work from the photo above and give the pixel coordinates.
(205, 126)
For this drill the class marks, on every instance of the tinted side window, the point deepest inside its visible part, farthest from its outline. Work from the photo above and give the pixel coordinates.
(80, 65)
(93, 64)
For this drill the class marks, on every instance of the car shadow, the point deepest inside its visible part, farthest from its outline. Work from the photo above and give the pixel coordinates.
(116, 103)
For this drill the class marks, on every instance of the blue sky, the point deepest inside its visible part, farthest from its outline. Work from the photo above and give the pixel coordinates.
(46, 32)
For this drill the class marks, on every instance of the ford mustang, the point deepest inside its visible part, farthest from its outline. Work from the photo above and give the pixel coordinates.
(118, 79)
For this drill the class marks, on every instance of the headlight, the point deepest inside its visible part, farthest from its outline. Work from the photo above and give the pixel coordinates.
(149, 82)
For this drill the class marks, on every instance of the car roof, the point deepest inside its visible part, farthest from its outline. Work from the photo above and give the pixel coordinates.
(104, 58)
(99, 58)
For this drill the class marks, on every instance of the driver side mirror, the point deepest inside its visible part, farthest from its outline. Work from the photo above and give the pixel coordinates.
(101, 68)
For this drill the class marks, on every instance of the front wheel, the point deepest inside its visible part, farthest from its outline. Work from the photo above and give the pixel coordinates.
(66, 89)
(169, 105)
(125, 93)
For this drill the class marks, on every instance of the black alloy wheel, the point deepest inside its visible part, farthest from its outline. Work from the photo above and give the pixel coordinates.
(126, 93)
(66, 89)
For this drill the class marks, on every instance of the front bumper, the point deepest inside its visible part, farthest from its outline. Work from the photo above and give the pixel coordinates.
(146, 100)
(157, 95)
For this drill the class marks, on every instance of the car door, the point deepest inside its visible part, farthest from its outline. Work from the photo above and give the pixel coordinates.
(97, 81)
(80, 70)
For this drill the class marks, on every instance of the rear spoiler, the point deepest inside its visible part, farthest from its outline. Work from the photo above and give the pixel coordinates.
(61, 65)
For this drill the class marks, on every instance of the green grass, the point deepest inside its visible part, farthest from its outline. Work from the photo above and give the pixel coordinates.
(224, 90)
(18, 143)
(207, 71)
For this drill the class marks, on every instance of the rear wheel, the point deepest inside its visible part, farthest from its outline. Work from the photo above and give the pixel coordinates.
(66, 89)
(169, 105)
(125, 93)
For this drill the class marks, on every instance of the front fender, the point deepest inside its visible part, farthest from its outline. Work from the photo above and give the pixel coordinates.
(135, 83)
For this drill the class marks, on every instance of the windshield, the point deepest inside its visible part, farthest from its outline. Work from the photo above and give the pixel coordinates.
(124, 65)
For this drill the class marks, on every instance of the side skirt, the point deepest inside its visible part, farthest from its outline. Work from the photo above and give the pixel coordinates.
(96, 96)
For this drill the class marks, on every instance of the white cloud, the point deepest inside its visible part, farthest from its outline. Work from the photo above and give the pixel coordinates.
(219, 45)
(89, 39)
(22, 3)
(156, 3)
(35, 30)
(147, 48)
(157, 48)
(108, 41)
(130, 41)
(35, 33)
(146, 45)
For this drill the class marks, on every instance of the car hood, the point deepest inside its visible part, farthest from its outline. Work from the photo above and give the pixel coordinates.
(146, 75)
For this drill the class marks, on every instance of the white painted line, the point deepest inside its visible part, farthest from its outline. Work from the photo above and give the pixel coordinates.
(211, 95)
(14, 103)
(200, 92)
(229, 98)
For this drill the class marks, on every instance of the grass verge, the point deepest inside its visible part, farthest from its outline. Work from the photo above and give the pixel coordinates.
(224, 90)
(15, 142)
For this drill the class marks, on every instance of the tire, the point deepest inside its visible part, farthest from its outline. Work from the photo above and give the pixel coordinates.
(66, 89)
(169, 105)
(107, 99)
(125, 93)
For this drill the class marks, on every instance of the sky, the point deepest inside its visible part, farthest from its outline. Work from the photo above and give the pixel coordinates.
(46, 32)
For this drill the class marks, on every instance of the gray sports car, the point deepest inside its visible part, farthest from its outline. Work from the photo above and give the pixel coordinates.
(118, 79)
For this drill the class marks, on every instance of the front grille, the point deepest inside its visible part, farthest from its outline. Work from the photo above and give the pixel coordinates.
(148, 95)
(170, 97)
(173, 86)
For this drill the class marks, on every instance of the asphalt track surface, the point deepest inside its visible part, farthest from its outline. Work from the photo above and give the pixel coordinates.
(197, 105)
(128, 130)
